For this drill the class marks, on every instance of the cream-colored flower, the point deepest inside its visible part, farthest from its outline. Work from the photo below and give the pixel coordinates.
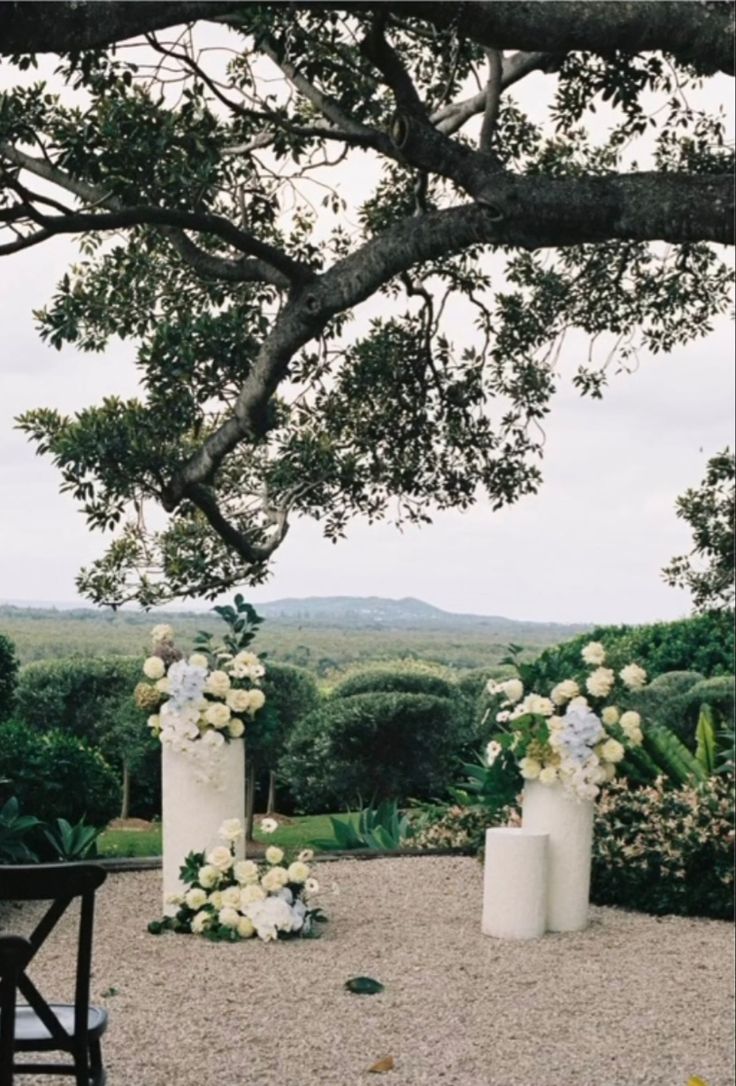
(633, 676)
(231, 829)
(231, 897)
(274, 854)
(199, 922)
(217, 684)
(610, 770)
(610, 715)
(548, 775)
(565, 690)
(250, 894)
(493, 749)
(228, 917)
(245, 871)
(513, 689)
(245, 928)
(153, 667)
(593, 653)
(612, 750)
(306, 855)
(162, 632)
(198, 659)
(221, 858)
(580, 703)
(311, 886)
(208, 876)
(630, 719)
(268, 825)
(238, 700)
(275, 879)
(298, 872)
(534, 703)
(195, 898)
(217, 714)
(154, 723)
(164, 685)
(213, 739)
(235, 727)
(215, 899)
(530, 768)
(257, 699)
(599, 683)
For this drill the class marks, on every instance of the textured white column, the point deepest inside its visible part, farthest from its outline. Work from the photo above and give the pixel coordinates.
(515, 884)
(192, 811)
(546, 808)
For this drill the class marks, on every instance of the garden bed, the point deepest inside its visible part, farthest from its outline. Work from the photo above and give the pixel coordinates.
(634, 999)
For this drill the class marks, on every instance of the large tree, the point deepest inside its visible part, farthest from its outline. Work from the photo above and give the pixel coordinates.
(213, 195)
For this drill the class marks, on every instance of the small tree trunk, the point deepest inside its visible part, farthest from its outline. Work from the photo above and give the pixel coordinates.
(250, 798)
(271, 805)
(125, 798)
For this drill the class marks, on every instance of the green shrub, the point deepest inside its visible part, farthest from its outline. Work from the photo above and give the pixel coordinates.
(8, 676)
(54, 775)
(372, 747)
(664, 850)
(718, 692)
(459, 826)
(384, 681)
(663, 702)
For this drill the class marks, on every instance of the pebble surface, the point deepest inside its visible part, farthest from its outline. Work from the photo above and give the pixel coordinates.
(632, 1000)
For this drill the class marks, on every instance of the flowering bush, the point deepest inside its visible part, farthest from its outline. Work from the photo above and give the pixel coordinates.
(574, 736)
(666, 850)
(201, 703)
(461, 827)
(230, 899)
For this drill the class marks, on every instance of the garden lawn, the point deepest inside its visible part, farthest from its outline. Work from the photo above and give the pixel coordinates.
(297, 833)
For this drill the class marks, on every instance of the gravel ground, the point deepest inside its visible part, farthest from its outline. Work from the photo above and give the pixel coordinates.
(634, 999)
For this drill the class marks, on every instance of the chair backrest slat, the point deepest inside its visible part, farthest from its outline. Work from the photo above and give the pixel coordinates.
(44, 882)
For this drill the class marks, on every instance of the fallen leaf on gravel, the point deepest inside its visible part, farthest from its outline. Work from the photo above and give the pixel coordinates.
(386, 1064)
(363, 985)
(695, 1080)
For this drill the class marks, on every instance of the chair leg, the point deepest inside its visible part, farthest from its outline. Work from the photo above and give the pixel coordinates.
(97, 1071)
(81, 1069)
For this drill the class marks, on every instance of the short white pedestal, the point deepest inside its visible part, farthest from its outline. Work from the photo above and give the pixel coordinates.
(193, 811)
(546, 808)
(515, 884)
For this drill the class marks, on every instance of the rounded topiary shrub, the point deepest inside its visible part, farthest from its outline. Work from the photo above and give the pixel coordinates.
(664, 701)
(369, 747)
(55, 775)
(8, 676)
(386, 681)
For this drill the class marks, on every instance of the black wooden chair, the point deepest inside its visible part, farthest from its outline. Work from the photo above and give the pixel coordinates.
(35, 1025)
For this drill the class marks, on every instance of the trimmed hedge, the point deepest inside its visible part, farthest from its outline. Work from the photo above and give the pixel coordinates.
(55, 776)
(369, 747)
(8, 676)
(385, 681)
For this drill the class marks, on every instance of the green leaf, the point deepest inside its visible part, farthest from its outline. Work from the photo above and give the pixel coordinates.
(705, 735)
(364, 985)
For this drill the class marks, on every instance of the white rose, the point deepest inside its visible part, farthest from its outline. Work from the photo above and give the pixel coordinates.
(612, 750)
(220, 858)
(633, 676)
(162, 632)
(250, 894)
(565, 690)
(231, 897)
(609, 716)
(195, 898)
(245, 928)
(245, 871)
(198, 659)
(298, 872)
(217, 714)
(217, 684)
(228, 917)
(275, 879)
(593, 653)
(600, 682)
(153, 668)
(274, 855)
(256, 699)
(215, 899)
(238, 700)
(200, 922)
(231, 829)
(530, 768)
(548, 775)
(513, 689)
(235, 727)
(213, 739)
(538, 705)
(208, 876)
(164, 685)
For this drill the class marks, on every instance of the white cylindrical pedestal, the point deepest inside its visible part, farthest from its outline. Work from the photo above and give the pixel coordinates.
(193, 811)
(546, 808)
(515, 884)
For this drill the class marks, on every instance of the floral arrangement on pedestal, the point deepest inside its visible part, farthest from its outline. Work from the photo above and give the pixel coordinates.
(199, 704)
(230, 899)
(575, 737)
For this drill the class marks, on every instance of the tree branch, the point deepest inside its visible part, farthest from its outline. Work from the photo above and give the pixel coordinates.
(493, 98)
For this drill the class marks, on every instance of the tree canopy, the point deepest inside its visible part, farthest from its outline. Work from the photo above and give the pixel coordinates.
(239, 193)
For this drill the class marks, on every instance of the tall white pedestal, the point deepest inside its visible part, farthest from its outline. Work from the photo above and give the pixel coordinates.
(546, 808)
(515, 884)
(193, 811)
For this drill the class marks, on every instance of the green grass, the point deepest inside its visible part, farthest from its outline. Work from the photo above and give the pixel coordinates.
(302, 832)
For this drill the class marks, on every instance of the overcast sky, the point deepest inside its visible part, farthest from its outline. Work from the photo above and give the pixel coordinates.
(588, 547)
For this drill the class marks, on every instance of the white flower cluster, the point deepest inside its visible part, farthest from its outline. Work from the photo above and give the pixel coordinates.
(579, 748)
(201, 707)
(238, 899)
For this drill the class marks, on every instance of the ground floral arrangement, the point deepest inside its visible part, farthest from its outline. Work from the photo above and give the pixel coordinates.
(201, 703)
(229, 899)
(572, 738)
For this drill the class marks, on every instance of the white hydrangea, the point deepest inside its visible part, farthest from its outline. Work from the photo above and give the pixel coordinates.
(600, 682)
(153, 667)
(633, 676)
(593, 653)
(564, 691)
